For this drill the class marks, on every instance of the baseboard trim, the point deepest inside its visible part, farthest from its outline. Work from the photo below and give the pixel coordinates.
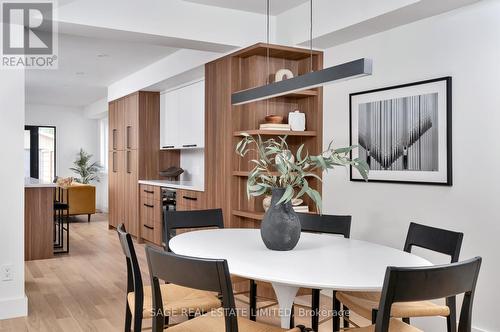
(475, 329)
(12, 308)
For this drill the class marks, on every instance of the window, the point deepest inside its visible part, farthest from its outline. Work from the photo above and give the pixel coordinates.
(40, 152)
(103, 143)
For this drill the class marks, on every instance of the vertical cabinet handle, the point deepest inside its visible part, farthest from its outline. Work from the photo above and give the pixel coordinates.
(114, 139)
(114, 162)
(128, 137)
(128, 162)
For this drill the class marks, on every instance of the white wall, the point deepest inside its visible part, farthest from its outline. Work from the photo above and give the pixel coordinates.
(168, 67)
(74, 130)
(13, 301)
(97, 110)
(465, 45)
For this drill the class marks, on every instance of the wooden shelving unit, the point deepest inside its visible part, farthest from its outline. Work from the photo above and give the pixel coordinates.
(227, 173)
(249, 214)
(246, 69)
(275, 132)
(246, 173)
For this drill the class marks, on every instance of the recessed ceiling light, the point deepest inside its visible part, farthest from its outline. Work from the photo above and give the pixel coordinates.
(102, 55)
(80, 73)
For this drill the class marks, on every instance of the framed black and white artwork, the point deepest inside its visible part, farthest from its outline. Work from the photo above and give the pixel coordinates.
(404, 132)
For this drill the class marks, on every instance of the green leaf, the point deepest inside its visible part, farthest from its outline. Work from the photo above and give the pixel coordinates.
(305, 188)
(316, 197)
(287, 196)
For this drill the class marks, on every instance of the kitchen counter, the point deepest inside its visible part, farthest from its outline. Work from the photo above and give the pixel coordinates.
(186, 185)
(36, 183)
(38, 219)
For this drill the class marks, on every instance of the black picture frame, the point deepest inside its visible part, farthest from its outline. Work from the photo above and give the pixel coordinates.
(449, 155)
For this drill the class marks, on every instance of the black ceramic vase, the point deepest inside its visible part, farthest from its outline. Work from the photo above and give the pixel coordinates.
(280, 228)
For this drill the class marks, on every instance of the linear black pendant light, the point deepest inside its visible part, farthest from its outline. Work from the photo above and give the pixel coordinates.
(342, 72)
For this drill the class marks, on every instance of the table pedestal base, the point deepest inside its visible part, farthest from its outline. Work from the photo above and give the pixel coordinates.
(285, 295)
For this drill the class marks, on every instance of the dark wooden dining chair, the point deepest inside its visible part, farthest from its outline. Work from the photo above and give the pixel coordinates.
(139, 297)
(366, 303)
(205, 274)
(404, 285)
(196, 219)
(328, 224)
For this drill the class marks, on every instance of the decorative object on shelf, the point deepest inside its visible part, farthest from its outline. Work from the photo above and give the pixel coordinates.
(64, 182)
(274, 126)
(266, 203)
(297, 121)
(172, 173)
(280, 228)
(88, 172)
(404, 132)
(313, 79)
(283, 74)
(274, 119)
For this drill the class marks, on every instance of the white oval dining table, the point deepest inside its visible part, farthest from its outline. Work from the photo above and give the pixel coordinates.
(320, 261)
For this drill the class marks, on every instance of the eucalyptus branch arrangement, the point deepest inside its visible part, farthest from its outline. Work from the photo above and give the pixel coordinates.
(277, 167)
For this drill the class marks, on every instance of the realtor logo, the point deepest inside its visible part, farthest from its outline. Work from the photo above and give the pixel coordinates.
(28, 35)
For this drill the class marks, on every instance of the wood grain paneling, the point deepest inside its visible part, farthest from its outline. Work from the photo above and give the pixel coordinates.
(131, 122)
(151, 214)
(136, 118)
(245, 69)
(190, 200)
(38, 223)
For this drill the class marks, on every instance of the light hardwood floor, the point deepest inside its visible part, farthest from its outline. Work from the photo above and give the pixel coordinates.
(85, 290)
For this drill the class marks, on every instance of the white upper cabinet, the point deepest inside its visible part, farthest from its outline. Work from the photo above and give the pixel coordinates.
(182, 117)
(169, 118)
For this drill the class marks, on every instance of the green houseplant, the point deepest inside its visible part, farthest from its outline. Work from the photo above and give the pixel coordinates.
(287, 175)
(86, 170)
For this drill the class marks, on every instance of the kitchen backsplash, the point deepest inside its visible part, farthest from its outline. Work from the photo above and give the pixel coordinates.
(193, 163)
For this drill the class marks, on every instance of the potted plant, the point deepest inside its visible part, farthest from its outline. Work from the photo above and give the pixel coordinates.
(87, 170)
(286, 176)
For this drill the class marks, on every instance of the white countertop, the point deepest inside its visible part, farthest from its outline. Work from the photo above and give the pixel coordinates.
(187, 185)
(36, 183)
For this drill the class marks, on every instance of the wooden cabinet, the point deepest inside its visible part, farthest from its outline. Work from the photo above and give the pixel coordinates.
(151, 214)
(116, 124)
(115, 184)
(183, 117)
(131, 122)
(190, 200)
(134, 154)
(131, 191)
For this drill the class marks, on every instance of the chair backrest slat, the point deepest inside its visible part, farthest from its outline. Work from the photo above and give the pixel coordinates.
(198, 273)
(330, 224)
(428, 283)
(174, 220)
(436, 239)
(134, 278)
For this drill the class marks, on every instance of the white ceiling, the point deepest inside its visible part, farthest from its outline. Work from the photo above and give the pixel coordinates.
(82, 76)
(256, 6)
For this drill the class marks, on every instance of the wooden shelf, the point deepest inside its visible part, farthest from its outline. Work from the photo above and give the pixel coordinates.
(295, 94)
(302, 94)
(278, 51)
(275, 133)
(246, 173)
(249, 214)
